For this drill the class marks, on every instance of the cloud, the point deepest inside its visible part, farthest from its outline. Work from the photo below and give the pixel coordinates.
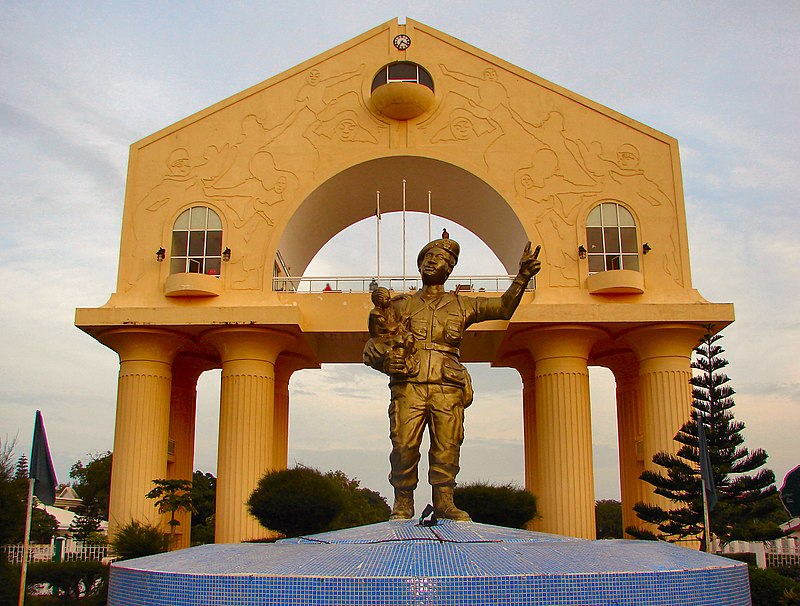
(82, 84)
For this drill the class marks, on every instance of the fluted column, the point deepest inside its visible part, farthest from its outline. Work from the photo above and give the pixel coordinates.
(284, 367)
(629, 433)
(524, 364)
(142, 421)
(564, 462)
(183, 412)
(664, 353)
(246, 426)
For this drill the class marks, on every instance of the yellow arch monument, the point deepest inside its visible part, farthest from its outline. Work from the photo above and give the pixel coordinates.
(220, 205)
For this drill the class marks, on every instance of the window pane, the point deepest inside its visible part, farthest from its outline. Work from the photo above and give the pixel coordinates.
(212, 267)
(196, 243)
(179, 241)
(609, 211)
(594, 239)
(196, 266)
(611, 239)
(613, 262)
(198, 217)
(403, 71)
(625, 217)
(628, 236)
(182, 222)
(630, 262)
(593, 219)
(214, 244)
(425, 78)
(177, 266)
(213, 220)
(596, 263)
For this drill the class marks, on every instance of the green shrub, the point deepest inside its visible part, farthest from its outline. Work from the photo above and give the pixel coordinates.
(505, 505)
(136, 540)
(793, 572)
(748, 557)
(361, 505)
(82, 581)
(9, 582)
(769, 588)
(296, 501)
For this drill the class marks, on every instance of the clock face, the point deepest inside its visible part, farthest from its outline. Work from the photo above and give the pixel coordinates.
(401, 42)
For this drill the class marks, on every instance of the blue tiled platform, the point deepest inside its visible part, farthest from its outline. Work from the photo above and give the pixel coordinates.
(453, 563)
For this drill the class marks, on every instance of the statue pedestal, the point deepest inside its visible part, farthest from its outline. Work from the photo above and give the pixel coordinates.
(452, 563)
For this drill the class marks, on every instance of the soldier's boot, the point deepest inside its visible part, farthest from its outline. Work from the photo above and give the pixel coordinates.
(445, 508)
(403, 505)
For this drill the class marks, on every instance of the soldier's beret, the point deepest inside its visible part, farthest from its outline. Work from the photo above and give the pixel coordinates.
(447, 244)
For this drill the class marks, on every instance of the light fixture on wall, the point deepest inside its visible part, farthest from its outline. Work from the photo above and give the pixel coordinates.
(582, 252)
(646, 248)
(226, 254)
(161, 254)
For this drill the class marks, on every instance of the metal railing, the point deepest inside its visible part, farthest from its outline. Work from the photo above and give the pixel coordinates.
(780, 552)
(398, 284)
(71, 551)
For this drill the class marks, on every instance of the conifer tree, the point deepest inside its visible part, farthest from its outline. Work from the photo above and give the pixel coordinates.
(748, 508)
(21, 472)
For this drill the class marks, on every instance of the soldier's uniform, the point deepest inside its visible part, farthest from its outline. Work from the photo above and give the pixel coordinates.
(429, 385)
(439, 392)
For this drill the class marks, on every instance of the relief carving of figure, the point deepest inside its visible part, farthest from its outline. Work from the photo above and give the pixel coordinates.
(416, 343)
(344, 127)
(255, 136)
(251, 201)
(181, 183)
(623, 179)
(328, 110)
(558, 202)
(468, 133)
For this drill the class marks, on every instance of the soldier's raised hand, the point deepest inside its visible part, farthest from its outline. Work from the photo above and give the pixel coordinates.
(529, 264)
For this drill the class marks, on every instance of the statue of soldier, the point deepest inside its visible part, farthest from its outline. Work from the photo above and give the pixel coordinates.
(429, 385)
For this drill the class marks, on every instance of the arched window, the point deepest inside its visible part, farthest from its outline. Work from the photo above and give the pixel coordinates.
(611, 238)
(197, 242)
(402, 71)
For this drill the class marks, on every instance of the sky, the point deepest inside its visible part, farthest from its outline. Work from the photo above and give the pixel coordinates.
(83, 81)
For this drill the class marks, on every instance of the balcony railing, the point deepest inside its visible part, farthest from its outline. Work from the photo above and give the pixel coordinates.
(397, 284)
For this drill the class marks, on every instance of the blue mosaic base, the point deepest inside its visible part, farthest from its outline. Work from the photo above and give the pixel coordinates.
(454, 563)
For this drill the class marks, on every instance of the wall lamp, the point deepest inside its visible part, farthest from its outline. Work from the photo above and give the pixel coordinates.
(161, 254)
(582, 252)
(646, 248)
(226, 254)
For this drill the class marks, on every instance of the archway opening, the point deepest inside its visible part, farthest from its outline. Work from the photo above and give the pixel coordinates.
(351, 196)
(356, 397)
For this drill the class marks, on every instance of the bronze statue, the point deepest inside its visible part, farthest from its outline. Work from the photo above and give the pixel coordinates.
(414, 339)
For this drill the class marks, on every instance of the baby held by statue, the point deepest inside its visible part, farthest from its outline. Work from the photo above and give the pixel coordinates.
(388, 332)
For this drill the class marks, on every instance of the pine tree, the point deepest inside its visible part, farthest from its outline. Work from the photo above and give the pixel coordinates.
(21, 472)
(748, 508)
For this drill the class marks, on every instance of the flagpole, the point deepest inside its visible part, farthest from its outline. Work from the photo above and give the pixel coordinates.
(706, 519)
(26, 544)
(378, 228)
(404, 235)
(429, 215)
(706, 477)
(42, 482)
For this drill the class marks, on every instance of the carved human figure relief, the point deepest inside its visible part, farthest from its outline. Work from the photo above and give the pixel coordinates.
(551, 134)
(623, 179)
(181, 182)
(252, 220)
(557, 202)
(254, 136)
(329, 109)
(344, 127)
(320, 95)
(468, 134)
